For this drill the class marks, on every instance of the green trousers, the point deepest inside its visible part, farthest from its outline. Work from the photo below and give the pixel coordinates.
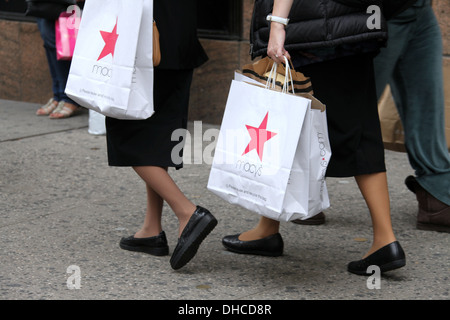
(412, 65)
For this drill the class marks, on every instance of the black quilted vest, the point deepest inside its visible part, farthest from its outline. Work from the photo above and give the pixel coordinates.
(317, 24)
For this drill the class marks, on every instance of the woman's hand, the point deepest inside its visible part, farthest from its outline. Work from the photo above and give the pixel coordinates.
(277, 37)
(275, 48)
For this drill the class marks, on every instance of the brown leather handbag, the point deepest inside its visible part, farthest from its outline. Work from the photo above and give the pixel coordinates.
(156, 48)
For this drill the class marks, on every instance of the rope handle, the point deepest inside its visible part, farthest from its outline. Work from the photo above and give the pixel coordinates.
(271, 79)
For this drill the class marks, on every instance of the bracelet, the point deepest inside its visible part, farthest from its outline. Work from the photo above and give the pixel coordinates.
(281, 20)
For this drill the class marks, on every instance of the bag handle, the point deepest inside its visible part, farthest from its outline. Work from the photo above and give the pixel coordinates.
(287, 77)
(271, 79)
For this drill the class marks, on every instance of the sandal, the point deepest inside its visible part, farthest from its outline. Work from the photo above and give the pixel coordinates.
(48, 108)
(64, 110)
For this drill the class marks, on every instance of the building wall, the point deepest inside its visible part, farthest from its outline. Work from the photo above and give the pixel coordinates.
(211, 81)
(24, 73)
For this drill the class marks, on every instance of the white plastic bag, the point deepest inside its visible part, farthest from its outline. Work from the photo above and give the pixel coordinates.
(267, 155)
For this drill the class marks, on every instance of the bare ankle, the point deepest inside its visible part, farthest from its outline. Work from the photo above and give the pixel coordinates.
(380, 243)
(147, 232)
(256, 234)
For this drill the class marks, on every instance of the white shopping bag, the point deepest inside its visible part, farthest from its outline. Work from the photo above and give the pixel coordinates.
(289, 184)
(112, 67)
(96, 123)
(314, 148)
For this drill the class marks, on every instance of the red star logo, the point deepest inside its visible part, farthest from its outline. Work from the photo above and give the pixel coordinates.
(259, 136)
(110, 39)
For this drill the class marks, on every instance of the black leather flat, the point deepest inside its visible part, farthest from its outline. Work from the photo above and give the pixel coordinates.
(387, 258)
(313, 221)
(156, 245)
(198, 227)
(271, 246)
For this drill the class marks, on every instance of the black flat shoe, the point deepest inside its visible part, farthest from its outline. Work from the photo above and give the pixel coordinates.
(387, 258)
(271, 246)
(198, 227)
(156, 245)
(313, 221)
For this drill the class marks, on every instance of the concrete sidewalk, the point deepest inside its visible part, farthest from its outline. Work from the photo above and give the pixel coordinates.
(62, 206)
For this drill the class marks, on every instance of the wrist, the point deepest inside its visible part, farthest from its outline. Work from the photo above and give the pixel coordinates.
(276, 25)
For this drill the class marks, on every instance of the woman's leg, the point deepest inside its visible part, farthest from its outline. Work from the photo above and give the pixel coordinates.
(159, 181)
(374, 189)
(47, 31)
(152, 222)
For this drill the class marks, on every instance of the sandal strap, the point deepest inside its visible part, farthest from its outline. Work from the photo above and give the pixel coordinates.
(65, 109)
(59, 107)
(49, 106)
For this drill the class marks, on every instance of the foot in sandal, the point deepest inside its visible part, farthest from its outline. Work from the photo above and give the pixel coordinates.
(64, 110)
(47, 108)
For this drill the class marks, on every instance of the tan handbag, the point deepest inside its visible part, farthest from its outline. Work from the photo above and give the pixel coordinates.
(156, 48)
(259, 71)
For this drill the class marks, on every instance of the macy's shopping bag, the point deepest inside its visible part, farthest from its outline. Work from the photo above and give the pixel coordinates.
(313, 141)
(315, 144)
(262, 156)
(112, 65)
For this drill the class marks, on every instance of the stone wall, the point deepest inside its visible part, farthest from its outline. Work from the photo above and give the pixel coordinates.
(24, 73)
(212, 80)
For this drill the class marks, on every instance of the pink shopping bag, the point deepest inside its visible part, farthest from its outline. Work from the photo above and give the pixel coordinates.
(66, 31)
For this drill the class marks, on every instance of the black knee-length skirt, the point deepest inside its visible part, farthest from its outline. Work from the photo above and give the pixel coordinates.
(347, 87)
(155, 141)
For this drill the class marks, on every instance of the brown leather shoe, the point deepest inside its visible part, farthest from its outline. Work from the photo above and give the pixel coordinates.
(433, 215)
(313, 221)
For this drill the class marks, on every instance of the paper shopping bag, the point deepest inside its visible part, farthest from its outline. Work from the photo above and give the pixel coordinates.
(312, 157)
(254, 156)
(391, 125)
(112, 66)
(66, 31)
(319, 157)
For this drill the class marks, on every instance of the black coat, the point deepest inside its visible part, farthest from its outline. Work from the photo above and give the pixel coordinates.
(177, 24)
(321, 23)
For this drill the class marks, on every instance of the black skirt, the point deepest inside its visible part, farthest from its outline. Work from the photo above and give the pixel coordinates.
(155, 141)
(347, 87)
